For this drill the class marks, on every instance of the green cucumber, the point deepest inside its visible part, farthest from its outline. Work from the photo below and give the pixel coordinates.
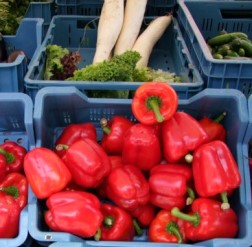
(217, 56)
(232, 53)
(247, 46)
(225, 38)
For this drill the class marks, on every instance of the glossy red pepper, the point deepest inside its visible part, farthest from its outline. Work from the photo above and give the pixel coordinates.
(114, 130)
(207, 220)
(154, 102)
(9, 216)
(14, 155)
(215, 170)
(167, 228)
(127, 187)
(180, 135)
(45, 172)
(184, 169)
(72, 133)
(115, 161)
(141, 146)
(3, 165)
(16, 184)
(75, 212)
(144, 214)
(88, 163)
(168, 190)
(117, 224)
(214, 129)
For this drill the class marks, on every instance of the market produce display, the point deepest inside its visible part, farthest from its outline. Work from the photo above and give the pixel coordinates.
(13, 188)
(122, 50)
(150, 168)
(136, 185)
(234, 45)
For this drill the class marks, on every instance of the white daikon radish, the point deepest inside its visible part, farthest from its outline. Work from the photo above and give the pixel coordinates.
(133, 19)
(149, 37)
(109, 28)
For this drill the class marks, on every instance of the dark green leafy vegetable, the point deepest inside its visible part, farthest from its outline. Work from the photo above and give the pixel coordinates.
(11, 14)
(118, 68)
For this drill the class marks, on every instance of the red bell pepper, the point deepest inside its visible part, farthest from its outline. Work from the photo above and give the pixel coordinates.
(45, 172)
(3, 165)
(9, 216)
(75, 212)
(183, 169)
(117, 224)
(88, 163)
(168, 190)
(144, 214)
(207, 220)
(72, 133)
(14, 155)
(215, 170)
(141, 146)
(154, 102)
(16, 184)
(215, 130)
(127, 187)
(180, 135)
(115, 161)
(114, 130)
(167, 228)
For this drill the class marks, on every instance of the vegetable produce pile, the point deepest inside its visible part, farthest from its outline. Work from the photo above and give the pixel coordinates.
(13, 188)
(235, 45)
(167, 173)
(11, 14)
(122, 49)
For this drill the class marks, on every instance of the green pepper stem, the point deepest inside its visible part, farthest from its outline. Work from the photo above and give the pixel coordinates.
(220, 118)
(172, 228)
(108, 221)
(139, 231)
(104, 126)
(188, 158)
(191, 196)
(225, 204)
(153, 103)
(97, 235)
(10, 157)
(60, 147)
(194, 219)
(11, 190)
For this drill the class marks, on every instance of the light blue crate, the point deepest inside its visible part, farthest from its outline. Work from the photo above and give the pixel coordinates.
(28, 38)
(246, 154)
(44, 10)
(56, 107)
(199, 25)
(169, 54)
(16, 124)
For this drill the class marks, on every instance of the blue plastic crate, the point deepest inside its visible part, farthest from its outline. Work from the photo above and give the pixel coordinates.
(170, 53)
(201, 20)
(28, 38)
(16, 124)
(247, 149)
(44, 10)
(93, 7)
(56, 107)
